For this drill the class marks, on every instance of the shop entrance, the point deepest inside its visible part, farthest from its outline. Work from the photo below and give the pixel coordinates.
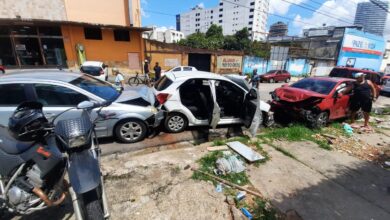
(200, 61)
(31, 46)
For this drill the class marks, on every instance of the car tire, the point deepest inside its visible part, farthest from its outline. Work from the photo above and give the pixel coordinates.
(287, 80)
(271, 80)
(2, 71)
(133, 81)
(175, 123)
(130, 131)
(321, 120)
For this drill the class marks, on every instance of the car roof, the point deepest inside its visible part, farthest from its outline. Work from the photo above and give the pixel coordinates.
(355, 69)
(92, 63)
(53, 75)
(332, 79)
(184, 75)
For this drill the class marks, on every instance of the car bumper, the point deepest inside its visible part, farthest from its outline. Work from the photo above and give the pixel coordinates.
(294, 112)
(156, 119)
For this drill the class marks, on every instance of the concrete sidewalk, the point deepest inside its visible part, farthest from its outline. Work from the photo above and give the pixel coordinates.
(322, 184)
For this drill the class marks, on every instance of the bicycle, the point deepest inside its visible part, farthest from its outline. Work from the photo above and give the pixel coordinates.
(136, 80)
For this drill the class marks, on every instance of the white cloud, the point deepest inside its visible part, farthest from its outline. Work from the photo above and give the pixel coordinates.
(201, 5)
(144, 4)
(281, 7)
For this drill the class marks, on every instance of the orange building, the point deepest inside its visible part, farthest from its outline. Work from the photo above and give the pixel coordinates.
(100, 30)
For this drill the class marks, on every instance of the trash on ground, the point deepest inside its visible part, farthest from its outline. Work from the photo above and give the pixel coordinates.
(219, 188)
(247, 213)
(231, 164)
(348, 129)
(245, 151)
(218, 148)
(240, 195)
(387, 164)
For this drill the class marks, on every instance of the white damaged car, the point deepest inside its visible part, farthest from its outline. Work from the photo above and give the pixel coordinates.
(208, 99)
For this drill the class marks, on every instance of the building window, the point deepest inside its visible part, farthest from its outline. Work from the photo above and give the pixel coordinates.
(212, 11)
(220, 16)
(221, 9)
(251, 22)
(250, 16)
(211, 17)
(93, 33)
(121, 35)
(211, 22)
(252, 10)
(252, 3)
(221, 3)
(220, 21)
(250, 29)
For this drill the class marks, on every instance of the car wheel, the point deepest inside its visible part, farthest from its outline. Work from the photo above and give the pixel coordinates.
(271, 80)
(321, 120)
(287, 80)
(175, 123)
(131, 131)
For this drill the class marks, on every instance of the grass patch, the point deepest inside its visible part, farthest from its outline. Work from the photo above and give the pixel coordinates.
(294, 133)
(207, 164)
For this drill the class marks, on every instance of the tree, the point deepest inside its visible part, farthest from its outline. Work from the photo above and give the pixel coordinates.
(214, 37)
(196, 40)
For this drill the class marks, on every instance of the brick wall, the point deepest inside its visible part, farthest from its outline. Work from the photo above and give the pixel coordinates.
(33, 9)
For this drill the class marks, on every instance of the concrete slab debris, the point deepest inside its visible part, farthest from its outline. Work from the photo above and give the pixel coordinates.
(245, 151)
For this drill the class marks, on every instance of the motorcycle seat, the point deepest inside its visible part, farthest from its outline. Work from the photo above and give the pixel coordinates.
(10, 145)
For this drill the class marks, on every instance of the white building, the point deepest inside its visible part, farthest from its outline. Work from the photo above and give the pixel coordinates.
(163, 35)
(232, 15)
(386, 60)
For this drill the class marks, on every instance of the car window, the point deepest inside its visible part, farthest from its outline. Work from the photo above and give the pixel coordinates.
(285, 72)
(177, 69)
(53, 95)
(319, 86)
(97, 87)
(187, 68)
(272, 71)
(163, 83)
(337, 72)
(12, 94)
(373, 78)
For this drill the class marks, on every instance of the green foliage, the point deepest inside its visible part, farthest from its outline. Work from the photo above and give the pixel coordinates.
(213, 39)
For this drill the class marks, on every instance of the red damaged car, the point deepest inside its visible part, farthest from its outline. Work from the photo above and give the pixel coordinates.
(2, 69)
(316, 100)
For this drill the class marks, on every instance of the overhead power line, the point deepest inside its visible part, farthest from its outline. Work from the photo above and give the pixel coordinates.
(375, 2)
(331, 8)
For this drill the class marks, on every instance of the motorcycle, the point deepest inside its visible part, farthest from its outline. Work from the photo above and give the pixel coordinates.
(36, 154)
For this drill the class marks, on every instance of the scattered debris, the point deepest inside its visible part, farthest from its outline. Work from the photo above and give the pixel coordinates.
(231, 164)
(245, 151)
(237, 214)
(348, 129)
(219, 188)
(247, 213)
(230, 184)
(218, 148)
(329, 136)
(240, 195)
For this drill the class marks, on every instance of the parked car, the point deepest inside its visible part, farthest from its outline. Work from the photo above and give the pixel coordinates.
(95, 68)
(181, 68)
(2, 69)
(276, 76)
(316, 100)
(386, 85)
(206, 99)
(348, 72)
(134, 111)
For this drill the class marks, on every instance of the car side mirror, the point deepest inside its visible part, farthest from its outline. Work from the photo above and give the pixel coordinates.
(252, 94)
(85, 105)
(337, 95)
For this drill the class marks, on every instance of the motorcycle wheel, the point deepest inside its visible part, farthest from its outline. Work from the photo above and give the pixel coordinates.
(93, 209)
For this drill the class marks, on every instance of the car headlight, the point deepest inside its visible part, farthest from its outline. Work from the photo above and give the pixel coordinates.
(77, 141)
(153, 110)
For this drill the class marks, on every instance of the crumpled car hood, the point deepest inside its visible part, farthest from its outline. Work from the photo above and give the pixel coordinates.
(291, 94)
(143, 92)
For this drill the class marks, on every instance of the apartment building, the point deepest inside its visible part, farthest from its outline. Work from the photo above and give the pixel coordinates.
(232, 15)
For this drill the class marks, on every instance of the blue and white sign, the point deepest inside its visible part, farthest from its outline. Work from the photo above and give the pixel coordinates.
(361, 50)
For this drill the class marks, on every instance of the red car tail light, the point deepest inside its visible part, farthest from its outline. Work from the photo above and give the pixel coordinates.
(162, 97)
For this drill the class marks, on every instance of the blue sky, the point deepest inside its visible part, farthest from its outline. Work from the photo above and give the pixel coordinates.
(343, 10)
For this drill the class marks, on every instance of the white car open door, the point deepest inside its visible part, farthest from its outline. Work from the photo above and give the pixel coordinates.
(216, 115)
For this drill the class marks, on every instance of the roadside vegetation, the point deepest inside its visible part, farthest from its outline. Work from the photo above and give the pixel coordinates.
(296, 132)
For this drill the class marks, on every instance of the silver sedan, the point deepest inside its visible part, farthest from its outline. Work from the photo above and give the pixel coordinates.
(132, 113)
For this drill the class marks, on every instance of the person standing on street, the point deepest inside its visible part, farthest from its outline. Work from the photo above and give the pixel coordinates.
(157, 72)
(364, 94)
(146, 72)
(119, 79)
